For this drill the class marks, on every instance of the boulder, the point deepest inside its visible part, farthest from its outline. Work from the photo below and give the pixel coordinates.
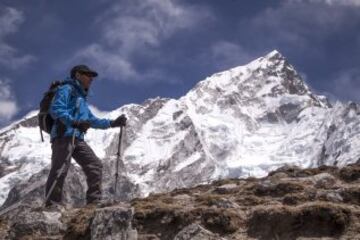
(196, 232)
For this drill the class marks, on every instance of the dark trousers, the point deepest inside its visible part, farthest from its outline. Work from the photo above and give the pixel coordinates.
(85, 157)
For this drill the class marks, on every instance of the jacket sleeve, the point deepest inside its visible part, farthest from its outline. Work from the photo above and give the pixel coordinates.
(101, 123)
(59, 108)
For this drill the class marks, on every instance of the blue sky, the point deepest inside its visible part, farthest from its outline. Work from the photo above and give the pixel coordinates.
(149, 48)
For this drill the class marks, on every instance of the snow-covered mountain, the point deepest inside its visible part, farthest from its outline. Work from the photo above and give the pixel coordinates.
(246, 121)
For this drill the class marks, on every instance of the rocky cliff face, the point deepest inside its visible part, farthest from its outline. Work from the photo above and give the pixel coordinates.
(290, 203)
(243, 122)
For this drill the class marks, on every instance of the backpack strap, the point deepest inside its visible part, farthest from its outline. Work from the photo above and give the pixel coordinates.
(41, 134)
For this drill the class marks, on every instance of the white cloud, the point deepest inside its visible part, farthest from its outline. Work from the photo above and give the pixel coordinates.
(114, 66)
(138, 27)
(144, 23)
(109, 62)
(331, 2)
(8, 104)
(10, 19)
(9, 57)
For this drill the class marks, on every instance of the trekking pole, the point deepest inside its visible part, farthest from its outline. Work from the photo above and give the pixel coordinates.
(118, 159)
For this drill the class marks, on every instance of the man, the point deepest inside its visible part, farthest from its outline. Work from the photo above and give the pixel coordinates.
(73, 118)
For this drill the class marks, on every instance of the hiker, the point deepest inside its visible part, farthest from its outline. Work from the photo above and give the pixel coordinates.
(72, 118)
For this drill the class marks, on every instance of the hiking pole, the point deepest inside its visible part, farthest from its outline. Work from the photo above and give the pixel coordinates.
(118, 159)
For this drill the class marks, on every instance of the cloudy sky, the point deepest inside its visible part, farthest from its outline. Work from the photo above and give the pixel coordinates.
(149, 48)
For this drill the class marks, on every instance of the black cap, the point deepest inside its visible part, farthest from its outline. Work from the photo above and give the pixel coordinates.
(82, 69)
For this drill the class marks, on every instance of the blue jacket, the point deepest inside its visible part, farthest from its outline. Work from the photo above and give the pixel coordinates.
(70, 104)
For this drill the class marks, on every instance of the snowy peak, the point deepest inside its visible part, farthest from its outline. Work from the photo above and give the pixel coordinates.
(29, 120)
(266, 89)
(273, 56)
(271, 75)
(274, 53)
(276, 65)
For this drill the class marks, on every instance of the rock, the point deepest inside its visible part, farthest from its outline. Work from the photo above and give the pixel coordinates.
(182, 197)
(324, 180)
(113, 223)
(222, 221)
(30, 122)
(36, 224)
(196, 232)
(277, 189)
(278, 176)
(330, 196)
(350, 173)
(226, 188)
(225, 203)
(289, 170)
(295, 198)
(4, 230)
(351, 195)
(334, 197)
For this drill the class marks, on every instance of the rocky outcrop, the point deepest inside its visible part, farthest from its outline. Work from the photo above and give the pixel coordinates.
(76, 223)
(196, 232)
(114, 220)
(290, 203)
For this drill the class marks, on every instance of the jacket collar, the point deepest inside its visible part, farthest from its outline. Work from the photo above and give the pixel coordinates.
(79, 88)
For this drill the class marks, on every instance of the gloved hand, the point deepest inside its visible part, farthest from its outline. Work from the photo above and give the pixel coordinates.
(83, 126)
(119, 122)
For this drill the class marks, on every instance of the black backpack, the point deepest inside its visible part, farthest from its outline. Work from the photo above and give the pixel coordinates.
(46, 122)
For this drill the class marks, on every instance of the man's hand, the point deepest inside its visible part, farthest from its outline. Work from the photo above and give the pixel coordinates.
(119, 122)
(83, 126)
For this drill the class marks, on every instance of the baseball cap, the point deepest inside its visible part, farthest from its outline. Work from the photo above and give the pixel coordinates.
(82, 69)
